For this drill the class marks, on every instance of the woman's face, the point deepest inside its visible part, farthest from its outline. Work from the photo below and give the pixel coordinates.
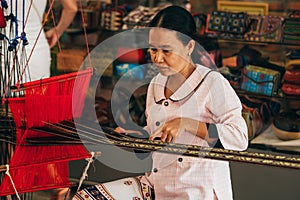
(168, 53)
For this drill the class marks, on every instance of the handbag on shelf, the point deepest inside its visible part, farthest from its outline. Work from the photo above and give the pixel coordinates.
(291, 28)
(258, 114)
(226, 23)
(291, 78)
(264, 28)
(260, 80)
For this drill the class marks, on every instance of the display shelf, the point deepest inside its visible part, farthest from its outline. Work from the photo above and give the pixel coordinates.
(279, 96)
(267, 140)
(263, 43)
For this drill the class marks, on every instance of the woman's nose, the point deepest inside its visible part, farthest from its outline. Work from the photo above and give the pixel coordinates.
(159, 57)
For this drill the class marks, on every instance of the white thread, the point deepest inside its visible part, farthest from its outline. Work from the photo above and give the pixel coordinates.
(84, 173)
(12, 182)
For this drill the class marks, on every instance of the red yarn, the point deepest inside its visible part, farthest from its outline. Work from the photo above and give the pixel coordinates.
(53, 98)
(44, 167)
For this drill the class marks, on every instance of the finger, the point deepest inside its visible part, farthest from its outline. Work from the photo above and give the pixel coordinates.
(156, 133)
(164, 137)
(120, 130)
(133, 132)
(169, 138)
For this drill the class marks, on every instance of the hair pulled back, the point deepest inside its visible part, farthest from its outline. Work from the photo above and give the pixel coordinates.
(178, 19)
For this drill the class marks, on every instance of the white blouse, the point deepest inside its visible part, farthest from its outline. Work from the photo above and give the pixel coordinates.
(213, 101)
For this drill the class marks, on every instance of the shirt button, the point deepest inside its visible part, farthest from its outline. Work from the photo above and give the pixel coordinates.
(180, 159)
(155, 170)
(166, 103)
(157, 123)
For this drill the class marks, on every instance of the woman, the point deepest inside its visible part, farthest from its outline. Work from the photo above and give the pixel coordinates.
(189, 103)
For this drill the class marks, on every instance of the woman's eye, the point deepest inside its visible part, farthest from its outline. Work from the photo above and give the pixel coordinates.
(153, 50)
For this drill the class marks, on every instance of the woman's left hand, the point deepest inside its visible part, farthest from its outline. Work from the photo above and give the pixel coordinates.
(169, 131)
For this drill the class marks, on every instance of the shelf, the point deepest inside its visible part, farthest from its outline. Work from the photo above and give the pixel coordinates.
(275, 96)
(268, 141)
(243, 41)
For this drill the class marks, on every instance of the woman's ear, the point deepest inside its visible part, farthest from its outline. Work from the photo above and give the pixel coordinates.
(190, 46)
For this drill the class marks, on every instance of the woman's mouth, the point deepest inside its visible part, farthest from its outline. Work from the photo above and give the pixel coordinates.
(162, 67)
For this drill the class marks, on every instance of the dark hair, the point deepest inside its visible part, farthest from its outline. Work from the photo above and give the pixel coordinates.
(178, 19)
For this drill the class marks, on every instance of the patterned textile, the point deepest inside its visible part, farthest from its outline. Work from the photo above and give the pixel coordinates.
(226, 24)
(124, 189)
(260, 80)
(264, 28)
(291, 31)
(141, 16)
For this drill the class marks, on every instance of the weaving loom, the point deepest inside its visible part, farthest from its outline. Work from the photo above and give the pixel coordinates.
(42, 167)
(90, 134)
(29, 103)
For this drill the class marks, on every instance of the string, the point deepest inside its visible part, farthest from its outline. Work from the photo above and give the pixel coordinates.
(194, 150)
(54, 24)
(12, 182)
(8, 72)
(85, 34)
(84, 173)
(35, 42)
(11, 6)
(192, 147)
(23, 17)
(97, 138)
(90, 128)
(15, 56)
(16, 19)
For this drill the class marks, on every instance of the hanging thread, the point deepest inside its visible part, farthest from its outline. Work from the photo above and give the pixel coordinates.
(84, 173)
(12, 182)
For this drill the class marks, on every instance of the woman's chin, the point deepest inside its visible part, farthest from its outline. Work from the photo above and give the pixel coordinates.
(166, 71)
(163, 72)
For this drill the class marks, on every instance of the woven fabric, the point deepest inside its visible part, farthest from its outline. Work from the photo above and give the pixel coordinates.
(221, 21)
(260, 80)
(265, 28)
(123, 189)
(291, 31)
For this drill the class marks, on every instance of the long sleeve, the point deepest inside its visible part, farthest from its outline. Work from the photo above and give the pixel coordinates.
(226, 111)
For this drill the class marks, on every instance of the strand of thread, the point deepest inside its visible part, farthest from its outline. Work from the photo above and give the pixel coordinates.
(12, 182)
(84, 173)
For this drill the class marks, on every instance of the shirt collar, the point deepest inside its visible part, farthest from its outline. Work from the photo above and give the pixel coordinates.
(189, 86)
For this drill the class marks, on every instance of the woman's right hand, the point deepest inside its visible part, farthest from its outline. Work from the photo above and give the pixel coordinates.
(120, 130)
(127, 132)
